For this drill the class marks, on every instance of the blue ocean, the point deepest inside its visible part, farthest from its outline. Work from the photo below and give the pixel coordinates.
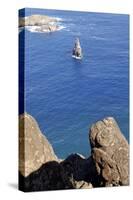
(66, 96)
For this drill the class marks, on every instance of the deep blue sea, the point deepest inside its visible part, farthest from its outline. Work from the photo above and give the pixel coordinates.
(66, 96)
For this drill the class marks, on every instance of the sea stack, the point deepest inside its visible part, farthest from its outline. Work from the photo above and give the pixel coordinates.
(77, 50)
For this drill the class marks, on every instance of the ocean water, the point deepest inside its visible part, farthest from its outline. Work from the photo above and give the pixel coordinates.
(66, 96)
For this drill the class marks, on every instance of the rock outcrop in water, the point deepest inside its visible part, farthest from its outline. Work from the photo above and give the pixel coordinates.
(40, 169)
(41, 23)
(77, 50)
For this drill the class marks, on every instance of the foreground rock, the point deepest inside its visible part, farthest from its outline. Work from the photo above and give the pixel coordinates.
(34, 148)
(40, 169)
(41, 23)
(110, 153)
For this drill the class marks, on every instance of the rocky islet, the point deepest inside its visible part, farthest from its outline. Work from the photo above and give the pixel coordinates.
(39, 23)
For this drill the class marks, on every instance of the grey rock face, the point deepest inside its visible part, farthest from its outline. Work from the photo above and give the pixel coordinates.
(110, 152)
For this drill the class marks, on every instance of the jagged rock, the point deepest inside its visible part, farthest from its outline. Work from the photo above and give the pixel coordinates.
(34, 148)
(110, 153)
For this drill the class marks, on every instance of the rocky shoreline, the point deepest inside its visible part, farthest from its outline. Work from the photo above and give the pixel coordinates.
(39, 23)
(40, 169)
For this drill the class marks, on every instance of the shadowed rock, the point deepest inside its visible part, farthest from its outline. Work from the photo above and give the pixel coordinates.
(50, 176)
(110, 152)
(80, 168)
(71, 173)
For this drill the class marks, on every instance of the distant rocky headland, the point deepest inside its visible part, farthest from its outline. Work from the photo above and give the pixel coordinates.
(40, 169)
(40, 23)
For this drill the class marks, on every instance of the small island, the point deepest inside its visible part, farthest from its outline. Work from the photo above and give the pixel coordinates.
(40, 23)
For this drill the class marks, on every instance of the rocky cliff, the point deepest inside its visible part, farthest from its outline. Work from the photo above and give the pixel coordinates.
(40, 169)
(41, 23)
